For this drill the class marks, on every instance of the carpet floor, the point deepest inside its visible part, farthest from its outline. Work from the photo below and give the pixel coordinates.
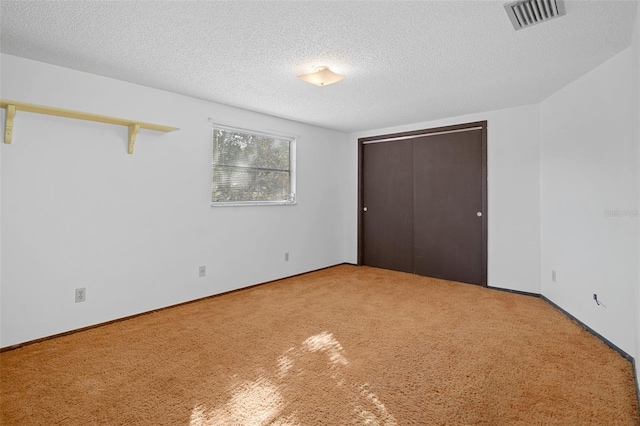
(341, 346)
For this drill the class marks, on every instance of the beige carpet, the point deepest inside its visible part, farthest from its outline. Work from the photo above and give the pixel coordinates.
(343, 346)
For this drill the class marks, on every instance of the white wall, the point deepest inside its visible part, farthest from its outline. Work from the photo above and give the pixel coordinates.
(78, 211)
(513, 208)
(2, 112)
(636, 51)
(588, 167)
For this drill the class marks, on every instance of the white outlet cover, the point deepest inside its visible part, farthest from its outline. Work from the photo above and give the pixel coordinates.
(81, 294)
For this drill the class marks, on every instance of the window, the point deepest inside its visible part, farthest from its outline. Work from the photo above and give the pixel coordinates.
(252, 168)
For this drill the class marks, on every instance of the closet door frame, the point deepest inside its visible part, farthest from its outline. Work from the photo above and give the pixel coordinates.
(418, 133)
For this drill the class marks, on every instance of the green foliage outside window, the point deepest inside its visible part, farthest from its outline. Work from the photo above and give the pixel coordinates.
(251, 167)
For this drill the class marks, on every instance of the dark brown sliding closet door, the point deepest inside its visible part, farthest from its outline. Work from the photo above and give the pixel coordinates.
(448, 241)
(388, 230)
(423, 202)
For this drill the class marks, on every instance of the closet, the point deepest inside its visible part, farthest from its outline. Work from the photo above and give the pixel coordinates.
(423, 202)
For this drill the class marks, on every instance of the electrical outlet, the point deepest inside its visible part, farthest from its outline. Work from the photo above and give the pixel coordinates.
(81, 294)
(553, 275)
(202, 271)
(286, 257)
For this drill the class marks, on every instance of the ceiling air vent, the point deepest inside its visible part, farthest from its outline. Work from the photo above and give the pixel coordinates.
(526, 13)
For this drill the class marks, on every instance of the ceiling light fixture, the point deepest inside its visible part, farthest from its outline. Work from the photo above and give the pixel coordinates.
(322, 77)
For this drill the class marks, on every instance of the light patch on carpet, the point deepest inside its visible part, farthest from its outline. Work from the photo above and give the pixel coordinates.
(252, 404)
(383, 417)
(325, 342)
(260, 403)
(285, 363)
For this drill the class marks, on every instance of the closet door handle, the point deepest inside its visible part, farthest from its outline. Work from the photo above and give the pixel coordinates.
(479, 214)
(364, 209)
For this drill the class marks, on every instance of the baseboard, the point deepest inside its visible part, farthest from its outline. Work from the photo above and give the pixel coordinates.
(508, 290)
(128, 317)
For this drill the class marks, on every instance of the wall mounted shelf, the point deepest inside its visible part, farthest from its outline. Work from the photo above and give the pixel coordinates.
(133, 125)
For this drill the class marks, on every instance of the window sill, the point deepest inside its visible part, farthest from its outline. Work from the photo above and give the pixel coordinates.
(252, 203)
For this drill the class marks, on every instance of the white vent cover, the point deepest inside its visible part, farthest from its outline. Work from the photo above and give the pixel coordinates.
(525, 13)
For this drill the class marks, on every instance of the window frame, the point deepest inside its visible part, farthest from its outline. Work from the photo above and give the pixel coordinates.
(264, 133)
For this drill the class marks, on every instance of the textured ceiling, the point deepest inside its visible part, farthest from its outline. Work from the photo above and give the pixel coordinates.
(405, 62)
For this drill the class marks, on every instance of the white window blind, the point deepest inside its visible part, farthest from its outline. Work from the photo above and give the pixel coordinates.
(252, 168)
